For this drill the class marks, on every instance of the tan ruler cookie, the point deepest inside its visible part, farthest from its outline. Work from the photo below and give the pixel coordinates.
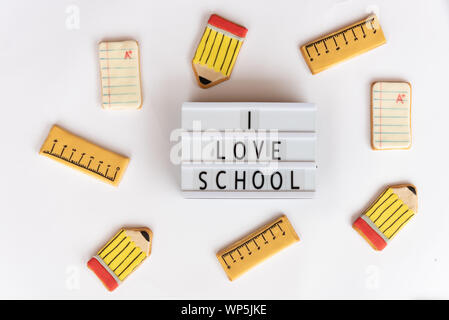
(84, 156)
(256, 247)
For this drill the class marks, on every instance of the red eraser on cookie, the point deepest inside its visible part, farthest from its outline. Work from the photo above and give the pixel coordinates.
(369, 234)
(227, 25)
(109, 282)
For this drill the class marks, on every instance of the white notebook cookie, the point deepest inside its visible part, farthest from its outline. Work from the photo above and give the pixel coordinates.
(120, 75)
(391, 115)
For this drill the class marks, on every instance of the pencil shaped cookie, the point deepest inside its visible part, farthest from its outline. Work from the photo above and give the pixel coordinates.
(84, 156)
(120, 75)
(391, 115)
(258, 246)
(121, 256)
(217, 52)
(387, 215)
(345, 43)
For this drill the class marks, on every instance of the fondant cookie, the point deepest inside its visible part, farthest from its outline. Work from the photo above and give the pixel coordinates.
(391, 115)
(84, 156)
(258, 246)
(346, 43)
(217, 52)
(120, 75)
(387, 215)
(121, 256)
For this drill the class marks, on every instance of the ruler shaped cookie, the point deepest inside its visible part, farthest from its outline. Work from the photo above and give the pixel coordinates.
(84, 156)
(346, 43)
(258, 246)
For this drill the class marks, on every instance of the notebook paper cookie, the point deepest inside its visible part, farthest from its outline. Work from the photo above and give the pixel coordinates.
(121, 256)
(84, 156)
(217, 52)
(257, 247)
(391, 115)
(387, 215)
(346, 43)
(120, 75)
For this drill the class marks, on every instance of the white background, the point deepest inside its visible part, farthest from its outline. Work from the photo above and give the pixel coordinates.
(53, 219)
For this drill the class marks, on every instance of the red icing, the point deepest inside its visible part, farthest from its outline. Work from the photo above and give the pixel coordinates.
(103, 274)
(228, 26)
(376, 240)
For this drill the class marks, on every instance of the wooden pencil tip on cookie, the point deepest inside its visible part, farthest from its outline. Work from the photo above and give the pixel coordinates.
(391, 211)
(217, 51)
(121, 256)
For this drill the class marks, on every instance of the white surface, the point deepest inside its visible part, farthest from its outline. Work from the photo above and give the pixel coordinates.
(54, 219)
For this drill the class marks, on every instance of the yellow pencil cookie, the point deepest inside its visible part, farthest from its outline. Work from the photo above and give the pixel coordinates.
(387, 215)
(217, 52)
(121, 256)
